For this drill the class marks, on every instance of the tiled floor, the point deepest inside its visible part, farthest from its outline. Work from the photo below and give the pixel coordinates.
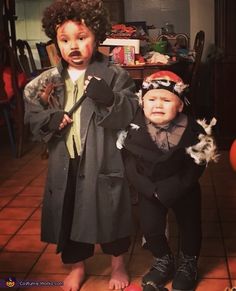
(24, 256)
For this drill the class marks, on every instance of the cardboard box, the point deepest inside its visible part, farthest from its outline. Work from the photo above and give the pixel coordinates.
(123, 42)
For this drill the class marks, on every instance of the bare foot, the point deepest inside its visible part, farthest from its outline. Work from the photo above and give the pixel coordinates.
(75, 279)
(119, 277)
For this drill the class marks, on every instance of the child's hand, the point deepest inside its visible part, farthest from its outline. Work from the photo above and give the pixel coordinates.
(65, 121)
(58, 121)
(98, 90)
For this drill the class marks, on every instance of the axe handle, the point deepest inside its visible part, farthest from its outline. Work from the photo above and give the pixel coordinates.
(76, 105)
(61, 132)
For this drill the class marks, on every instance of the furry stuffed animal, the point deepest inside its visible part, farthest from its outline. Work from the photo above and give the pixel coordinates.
(205, 150)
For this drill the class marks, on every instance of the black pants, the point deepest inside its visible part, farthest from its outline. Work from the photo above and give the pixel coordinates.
(74, 252)
(71, 251)
(153, 217)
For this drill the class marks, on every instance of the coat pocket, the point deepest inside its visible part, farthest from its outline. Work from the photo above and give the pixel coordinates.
(110, 190)
(110, 204)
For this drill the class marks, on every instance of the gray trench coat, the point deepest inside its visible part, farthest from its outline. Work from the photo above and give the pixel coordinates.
(102, 209)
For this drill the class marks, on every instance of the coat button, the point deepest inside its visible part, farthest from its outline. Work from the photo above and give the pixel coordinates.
(156, 195)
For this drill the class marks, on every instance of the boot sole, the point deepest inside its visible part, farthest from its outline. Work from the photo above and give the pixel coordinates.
(151, 284)
(161, 285)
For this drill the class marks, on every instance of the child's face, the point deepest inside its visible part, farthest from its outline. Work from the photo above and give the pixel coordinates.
(161, 106)
(76, 43)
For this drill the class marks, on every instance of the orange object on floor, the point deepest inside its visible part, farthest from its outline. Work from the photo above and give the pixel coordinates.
(133, 287)
(232, 155)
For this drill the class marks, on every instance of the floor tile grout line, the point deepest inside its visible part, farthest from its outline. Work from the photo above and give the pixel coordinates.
(2, 247)
(16, 195)
(20, 167)
(35, 262)
(27, 219)
(220, 237)
(26, 185)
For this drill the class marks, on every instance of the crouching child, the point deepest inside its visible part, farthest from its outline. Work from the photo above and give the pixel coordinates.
(165, 153)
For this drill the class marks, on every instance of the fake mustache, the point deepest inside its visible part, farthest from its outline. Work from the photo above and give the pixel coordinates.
(75, 54)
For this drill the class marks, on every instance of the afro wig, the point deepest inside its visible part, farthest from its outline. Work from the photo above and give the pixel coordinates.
(92, 12)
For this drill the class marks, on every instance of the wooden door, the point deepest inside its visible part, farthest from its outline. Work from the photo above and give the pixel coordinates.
(225, 71)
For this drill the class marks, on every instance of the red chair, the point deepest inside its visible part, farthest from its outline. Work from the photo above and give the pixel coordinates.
(12, 81)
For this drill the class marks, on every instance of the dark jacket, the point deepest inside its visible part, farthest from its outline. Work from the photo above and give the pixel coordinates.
(102, 203)
(170, 174)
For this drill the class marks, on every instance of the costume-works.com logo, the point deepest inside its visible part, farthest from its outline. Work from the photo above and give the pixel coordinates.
(10, 282)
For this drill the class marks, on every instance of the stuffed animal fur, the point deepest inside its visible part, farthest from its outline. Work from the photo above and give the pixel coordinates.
(205, 150)
(122, 134)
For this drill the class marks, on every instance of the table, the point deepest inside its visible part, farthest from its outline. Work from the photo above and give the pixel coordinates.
(139, 72)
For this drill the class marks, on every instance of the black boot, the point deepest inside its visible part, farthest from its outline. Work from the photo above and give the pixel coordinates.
(185, 278)
(161, 272)
(154, 288)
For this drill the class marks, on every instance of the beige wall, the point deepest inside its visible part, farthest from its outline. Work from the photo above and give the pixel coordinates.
(158, 12)
(28, 24)
(188, 16)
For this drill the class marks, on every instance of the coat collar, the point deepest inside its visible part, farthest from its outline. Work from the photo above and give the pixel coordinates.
(99, 67)
(189, 137)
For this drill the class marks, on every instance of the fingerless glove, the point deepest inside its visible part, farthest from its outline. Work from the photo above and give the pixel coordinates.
(100, 92)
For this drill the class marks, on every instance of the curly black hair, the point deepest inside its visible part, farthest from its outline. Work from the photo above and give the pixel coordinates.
(92, 12)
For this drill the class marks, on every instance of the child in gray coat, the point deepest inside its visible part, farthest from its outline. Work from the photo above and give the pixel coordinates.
(86, 189)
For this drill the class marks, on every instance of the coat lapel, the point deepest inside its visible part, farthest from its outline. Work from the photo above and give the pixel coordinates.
(142, 134)
(98, 68)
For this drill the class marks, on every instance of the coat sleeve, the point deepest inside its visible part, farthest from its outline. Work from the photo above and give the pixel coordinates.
(141, 183)
(36, 114)
(168, 189)
(121, 112)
